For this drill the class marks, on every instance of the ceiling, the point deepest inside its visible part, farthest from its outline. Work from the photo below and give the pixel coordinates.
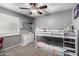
(52, 7)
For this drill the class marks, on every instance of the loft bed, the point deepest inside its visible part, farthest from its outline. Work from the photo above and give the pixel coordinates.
(57, 41)
(51, 40)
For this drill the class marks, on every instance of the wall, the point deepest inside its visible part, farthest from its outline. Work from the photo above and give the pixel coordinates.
(12, 40)
(55, 21)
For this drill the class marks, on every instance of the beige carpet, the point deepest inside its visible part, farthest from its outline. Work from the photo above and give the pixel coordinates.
(28, 50)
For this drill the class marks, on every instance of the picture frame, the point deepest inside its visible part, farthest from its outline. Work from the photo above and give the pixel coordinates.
(76, 11)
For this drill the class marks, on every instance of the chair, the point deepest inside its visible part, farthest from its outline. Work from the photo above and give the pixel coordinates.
(1, 46)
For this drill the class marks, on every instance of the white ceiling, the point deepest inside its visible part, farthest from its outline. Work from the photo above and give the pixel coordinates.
(52, 7)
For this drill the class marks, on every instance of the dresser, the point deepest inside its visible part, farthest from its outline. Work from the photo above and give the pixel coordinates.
(27, 38)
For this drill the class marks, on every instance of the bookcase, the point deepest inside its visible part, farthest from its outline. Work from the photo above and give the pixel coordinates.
(70, 43)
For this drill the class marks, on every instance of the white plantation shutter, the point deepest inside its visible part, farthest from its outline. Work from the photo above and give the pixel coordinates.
(9, 25)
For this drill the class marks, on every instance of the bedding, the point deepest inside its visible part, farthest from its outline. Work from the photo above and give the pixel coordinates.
(50, 48)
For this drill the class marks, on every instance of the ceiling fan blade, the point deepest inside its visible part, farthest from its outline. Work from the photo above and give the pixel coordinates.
(43, 7)
(24, 8)
(30, 13)
(39, 12)
(33, 4)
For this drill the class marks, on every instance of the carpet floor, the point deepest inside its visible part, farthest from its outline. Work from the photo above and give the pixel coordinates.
(28, 50)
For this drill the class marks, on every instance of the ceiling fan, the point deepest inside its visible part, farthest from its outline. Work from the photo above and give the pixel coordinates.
(35, 9)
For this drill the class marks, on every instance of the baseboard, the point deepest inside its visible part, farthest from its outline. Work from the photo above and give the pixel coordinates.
(11, 46)
(25, 44)
(15, 46)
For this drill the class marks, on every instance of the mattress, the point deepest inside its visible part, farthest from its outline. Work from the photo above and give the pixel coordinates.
(50, 48)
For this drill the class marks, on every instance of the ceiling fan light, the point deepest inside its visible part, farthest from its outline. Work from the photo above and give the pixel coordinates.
(34, 11)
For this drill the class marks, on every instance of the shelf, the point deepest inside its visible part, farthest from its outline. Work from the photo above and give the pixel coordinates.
(71, 54)
(70, 42)
(68, 48)
(70, 37)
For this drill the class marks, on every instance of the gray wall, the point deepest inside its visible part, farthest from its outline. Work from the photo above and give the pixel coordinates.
(13, 40)
(54, 21)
